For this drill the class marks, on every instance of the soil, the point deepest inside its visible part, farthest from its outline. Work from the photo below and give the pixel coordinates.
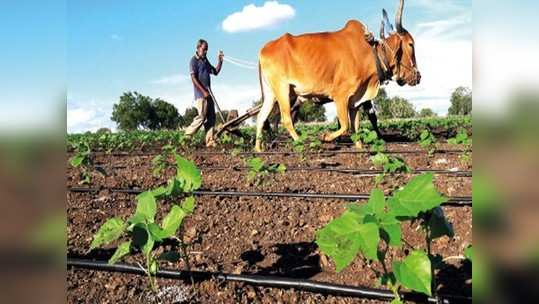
(270, 236)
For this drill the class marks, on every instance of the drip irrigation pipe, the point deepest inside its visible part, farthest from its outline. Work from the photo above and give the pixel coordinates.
(452, 201)
(362, 172)
(366, 172)
(327, 152)
(268, 281)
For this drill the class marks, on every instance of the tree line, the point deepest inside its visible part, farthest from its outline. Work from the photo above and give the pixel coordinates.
(136, 111)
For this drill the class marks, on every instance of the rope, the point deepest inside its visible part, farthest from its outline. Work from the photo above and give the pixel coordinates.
(242, 65)
(242, 61)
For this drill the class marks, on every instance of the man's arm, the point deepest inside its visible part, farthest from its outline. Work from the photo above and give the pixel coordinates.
(217, 69)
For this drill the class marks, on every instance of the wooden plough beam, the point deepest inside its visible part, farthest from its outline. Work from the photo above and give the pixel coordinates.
(233, 123)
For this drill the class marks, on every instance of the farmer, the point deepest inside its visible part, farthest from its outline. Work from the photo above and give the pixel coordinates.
(200, 69)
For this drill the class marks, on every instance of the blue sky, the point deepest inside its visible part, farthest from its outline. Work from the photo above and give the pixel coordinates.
(118, 46)
(32, 81)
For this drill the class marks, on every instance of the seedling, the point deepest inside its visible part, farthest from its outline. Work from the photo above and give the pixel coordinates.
(390, 165)
(141, 229)
(362, 228)
(462, 139)
(258, 170)
(160, 163)
(82, 160)
(427, 141)
(369, 138)
(307, 142)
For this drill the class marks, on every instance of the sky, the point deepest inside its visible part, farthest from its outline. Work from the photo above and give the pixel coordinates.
(145, 46)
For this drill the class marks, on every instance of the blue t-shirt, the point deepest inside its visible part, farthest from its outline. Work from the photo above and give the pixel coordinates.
(202, 69)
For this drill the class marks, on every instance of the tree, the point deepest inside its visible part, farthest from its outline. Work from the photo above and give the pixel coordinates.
(395, 107)
(188, 116)
(461, 102)
(165, 115)
(136, 111)
(427, 112)
(311, 111)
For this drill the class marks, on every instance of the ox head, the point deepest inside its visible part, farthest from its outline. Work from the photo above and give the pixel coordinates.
(401, 49)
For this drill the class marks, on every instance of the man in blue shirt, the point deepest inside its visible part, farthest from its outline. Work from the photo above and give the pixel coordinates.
(200, 69)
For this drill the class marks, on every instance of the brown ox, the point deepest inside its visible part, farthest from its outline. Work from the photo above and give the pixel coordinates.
(340, 66)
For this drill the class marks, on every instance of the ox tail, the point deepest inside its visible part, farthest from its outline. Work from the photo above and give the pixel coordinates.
(260, 81)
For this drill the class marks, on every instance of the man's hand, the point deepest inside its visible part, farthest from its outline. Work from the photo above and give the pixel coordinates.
(220, 56)
(206, 94)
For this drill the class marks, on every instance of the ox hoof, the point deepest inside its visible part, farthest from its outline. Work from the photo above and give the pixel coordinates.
(326, 137)
(258, 147)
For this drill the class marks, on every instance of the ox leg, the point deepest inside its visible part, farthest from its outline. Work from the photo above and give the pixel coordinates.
(371, 113)
(284, 105)
(344, 121)
(267, 106)
(355, 119)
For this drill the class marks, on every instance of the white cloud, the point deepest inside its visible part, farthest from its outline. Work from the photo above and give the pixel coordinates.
(88, 116)
(444, 57)
(116, 37)
(171, 79)
(252, 17)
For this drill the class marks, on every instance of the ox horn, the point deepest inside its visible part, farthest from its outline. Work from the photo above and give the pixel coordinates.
(382, 33)
(398, 17)
(386, 20)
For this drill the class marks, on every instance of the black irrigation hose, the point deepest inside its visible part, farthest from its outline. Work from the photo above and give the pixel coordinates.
(364, 172)
(269, 281)
(327, 152)
(352, 171)
(452, 201)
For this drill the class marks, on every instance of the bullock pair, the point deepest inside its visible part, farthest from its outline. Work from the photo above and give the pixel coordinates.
(340, 66)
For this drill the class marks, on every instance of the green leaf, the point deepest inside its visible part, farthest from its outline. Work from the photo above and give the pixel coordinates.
(111, 230)
(148, 247)
(136, 219)
(419, 195)
(396, 301)
(414, 272)
(188, 204)
(468, 253)
(393, 232)
(377, 202)
(174, 187)
(157, 160)
(344, 237)
(370, 137)
(281, 168)
(153, 267)
(337, 239)
(173, 220)
(369, 239)
(256, 164)
(438, 224)
(146, 205)
(379, 159)
(156, 232)
(76, 160)
(188, 173)
(159, 192)
(122, 250)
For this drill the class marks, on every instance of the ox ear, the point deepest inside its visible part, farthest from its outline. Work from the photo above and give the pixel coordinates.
(386, 21)
(398, 17)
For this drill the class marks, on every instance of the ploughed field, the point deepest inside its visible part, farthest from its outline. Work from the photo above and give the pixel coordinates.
(258, 235)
